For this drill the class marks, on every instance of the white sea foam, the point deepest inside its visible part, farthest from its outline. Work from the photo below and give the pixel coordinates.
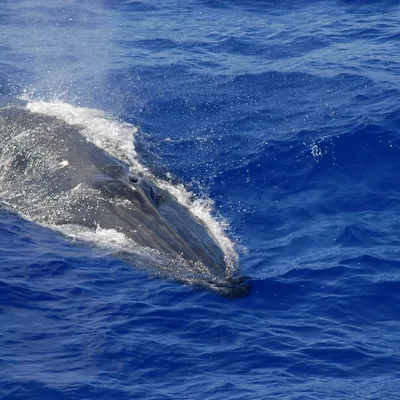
(110, 241)
(118, 139)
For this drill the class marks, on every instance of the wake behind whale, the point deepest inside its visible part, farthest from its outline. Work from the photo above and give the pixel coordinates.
(56, 170)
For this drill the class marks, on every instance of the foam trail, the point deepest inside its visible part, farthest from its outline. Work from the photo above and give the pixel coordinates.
(114, 136)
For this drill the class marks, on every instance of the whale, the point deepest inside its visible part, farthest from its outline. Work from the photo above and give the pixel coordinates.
(52, 175)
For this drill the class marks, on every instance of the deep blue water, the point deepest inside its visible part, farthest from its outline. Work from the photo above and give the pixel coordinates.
(287, 115)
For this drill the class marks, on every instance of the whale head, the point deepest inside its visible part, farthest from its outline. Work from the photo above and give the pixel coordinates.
(154, 219)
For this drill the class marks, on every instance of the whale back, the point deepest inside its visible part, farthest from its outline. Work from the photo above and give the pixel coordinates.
(51, 174)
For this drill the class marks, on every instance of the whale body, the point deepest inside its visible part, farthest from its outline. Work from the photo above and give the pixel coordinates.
(52, 175)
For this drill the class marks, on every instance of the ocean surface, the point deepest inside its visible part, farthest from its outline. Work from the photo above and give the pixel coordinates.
(282, 121)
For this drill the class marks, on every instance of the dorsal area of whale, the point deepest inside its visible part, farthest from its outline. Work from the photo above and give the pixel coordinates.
(57, 171)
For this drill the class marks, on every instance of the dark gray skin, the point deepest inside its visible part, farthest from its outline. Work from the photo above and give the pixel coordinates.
(51, 174)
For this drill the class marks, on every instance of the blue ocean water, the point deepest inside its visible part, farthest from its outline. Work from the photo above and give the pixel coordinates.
(287, 115)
